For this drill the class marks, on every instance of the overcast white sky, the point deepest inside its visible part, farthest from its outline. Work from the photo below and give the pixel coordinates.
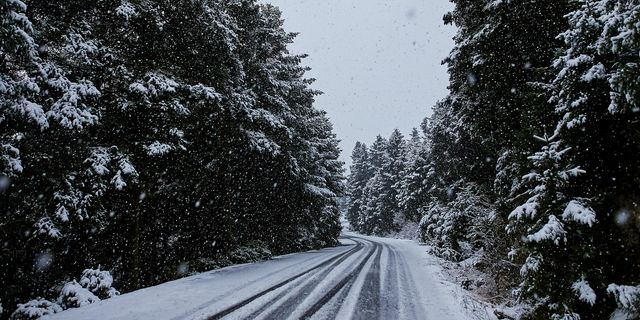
(378, 62)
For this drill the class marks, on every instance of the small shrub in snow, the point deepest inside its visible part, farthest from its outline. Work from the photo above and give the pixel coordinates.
(35, 309)
(94, 285)
(250, 253)
(73, 295)
(457, 229)
(99, 282)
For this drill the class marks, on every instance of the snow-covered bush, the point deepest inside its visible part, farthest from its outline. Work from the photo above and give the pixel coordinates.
(253, 252)
(99, 282)
(435, 229)
(453, 229)
(74, 295)
(94, 285)
(35, 309)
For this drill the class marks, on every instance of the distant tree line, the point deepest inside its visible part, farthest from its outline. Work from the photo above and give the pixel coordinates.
(140, 136)
(531, 165)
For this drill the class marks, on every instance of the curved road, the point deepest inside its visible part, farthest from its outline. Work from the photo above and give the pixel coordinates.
(349, 284)
(365, 278)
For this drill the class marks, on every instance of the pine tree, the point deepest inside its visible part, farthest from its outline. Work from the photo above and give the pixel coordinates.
(325, 183)
(414, 188)
(360, 174)
(414, 146)
(397, 150)
(481, 134)
(21, 71)
(380, 206)
(550, 225)
(371, 220)
(46, 112)
(497, 59)
(594, 102)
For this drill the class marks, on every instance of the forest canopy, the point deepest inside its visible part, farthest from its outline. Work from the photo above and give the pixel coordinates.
(142, 141)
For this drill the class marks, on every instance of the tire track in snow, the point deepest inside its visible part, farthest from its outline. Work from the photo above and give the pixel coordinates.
(407, 291)
(288, 300)
(243, 303)
(390, 304)
(369, 298)
(333, 306)
(377, 288)
(203, 306)
(347, 281)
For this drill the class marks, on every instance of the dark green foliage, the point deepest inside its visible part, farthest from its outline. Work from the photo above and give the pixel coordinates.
(513, 78)
(140, 135)
(373, 185)
(413, 188)
(534, 155)
(361, 172)
(561, 215)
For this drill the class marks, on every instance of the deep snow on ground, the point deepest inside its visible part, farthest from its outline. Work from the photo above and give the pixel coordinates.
(365, 278)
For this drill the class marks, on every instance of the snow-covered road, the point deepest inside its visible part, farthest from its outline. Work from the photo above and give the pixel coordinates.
(365, 278)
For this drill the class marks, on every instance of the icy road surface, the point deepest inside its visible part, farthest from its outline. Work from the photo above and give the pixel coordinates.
(365, 278)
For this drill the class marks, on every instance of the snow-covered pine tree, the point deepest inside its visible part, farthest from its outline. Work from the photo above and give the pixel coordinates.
(596, 101)
(50, 200)
(457, 229)
(413, 189)
(360, 173)
(324, 184)
(257, 168)
(453, 206)
(550, 226)
(496, 58)
(192, 175)
(481, 133)
(441, 170)
(21, 74)
(19, 90)
(139, 108)
(149, 160)
(397, 150)
(414, 145)
(293, 140)
(468, 153)
(502, 48)
(378, 206)
(375, 183)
